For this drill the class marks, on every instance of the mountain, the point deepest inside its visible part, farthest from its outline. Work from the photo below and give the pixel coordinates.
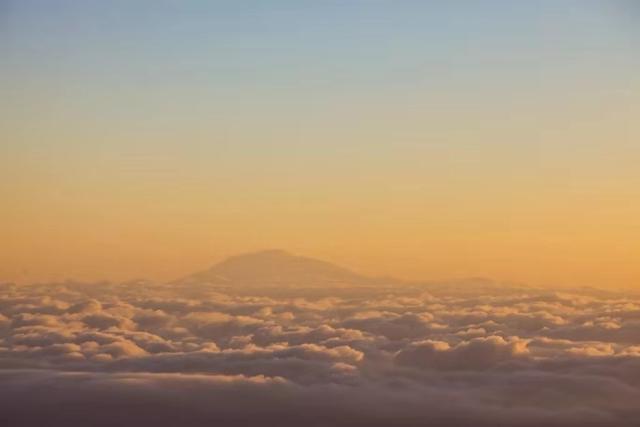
(279, 268)
(279, 272)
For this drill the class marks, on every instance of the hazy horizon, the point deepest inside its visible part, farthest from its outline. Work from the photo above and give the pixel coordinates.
(397, 279)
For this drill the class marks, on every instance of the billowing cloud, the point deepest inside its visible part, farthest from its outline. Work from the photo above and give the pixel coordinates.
(158, 354)
(477, 353)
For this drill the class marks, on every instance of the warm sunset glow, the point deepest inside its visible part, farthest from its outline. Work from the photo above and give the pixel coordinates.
(428, 141)
(477, 165)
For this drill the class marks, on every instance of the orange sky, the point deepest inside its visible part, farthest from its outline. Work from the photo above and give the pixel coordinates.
(508, 149)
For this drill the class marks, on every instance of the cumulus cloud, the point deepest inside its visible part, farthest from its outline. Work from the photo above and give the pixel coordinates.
(159, 354)
(477, 353)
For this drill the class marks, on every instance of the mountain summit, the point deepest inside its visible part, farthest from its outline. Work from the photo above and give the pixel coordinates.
(278, 267)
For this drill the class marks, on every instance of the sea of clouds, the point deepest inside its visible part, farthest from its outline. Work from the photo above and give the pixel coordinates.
(167, 355)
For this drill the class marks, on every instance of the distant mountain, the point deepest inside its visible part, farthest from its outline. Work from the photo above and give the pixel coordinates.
(279, 268)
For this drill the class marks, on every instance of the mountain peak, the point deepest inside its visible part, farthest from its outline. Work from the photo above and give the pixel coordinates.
(264, 254)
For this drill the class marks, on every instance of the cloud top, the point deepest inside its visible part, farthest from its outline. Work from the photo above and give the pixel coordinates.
(396, 355)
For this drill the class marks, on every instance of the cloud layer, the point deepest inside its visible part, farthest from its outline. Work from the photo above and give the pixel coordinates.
(105, 354)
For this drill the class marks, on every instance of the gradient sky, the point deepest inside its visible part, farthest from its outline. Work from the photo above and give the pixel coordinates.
(418, 139)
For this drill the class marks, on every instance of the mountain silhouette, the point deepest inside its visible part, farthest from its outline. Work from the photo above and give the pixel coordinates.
(279, 268)
(280, 271)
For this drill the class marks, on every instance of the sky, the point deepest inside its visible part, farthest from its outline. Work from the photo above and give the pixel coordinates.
(406, 138)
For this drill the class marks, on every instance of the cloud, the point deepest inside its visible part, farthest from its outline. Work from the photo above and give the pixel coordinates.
(478, 353)
(170, 355)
